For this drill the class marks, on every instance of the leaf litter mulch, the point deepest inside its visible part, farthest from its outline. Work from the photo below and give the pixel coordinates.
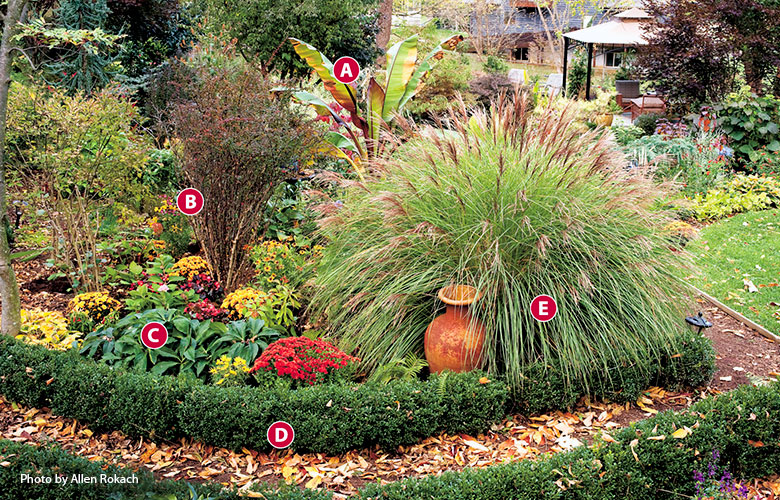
(744, 357)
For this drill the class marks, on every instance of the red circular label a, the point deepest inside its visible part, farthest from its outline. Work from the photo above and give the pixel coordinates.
(543, 308)
(189, 201)
(154, 335)
(280, 434)
(346, 70)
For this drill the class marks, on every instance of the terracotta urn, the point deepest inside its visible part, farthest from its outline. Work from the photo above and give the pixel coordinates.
(455, 340)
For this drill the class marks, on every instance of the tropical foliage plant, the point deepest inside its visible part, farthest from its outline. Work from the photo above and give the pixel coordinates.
(516, 207)
(370, 119)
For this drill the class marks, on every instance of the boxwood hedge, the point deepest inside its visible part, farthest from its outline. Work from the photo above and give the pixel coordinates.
(327, 418)
(743, 425)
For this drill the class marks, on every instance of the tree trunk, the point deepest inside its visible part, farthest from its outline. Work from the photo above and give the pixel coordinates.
(385, 27)
(9, 289)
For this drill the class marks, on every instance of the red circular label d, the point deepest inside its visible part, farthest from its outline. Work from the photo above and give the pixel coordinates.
(190, 201)
(154, 335)
(280, 434)
(346, 70)
(543, 308)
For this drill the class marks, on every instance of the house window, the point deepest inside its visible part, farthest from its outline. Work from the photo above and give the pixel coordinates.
(521, 54)
(614, 58)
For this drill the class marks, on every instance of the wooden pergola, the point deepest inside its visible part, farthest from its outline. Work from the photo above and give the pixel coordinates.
(625, 31)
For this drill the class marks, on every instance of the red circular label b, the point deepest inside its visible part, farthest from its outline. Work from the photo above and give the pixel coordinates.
(190, 201)
(543, 308)
(280, 434)
(346, 70)
(154, 335)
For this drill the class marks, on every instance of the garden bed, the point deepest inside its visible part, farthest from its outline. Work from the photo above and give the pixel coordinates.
(516, 437)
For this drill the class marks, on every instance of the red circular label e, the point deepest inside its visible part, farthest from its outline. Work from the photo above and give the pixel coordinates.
(189, 201)
(543, 308)
(346, 70)
(154, 335)
(280, 434)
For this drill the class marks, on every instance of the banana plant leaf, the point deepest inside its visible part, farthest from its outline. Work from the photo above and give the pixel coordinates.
(327, 147)
(343, 93)
(402, 57)
(376, 100)
(319, 105)
(340, 141)
(427, 64)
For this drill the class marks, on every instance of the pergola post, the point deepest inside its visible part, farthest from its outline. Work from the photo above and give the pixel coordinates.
(565, 64)
(587, 78)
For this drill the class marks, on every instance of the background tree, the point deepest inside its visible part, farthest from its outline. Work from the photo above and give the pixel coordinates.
(9, 288)
(558, 16)
(698, 49)
(154, 31)
(489, 25)
(752, 28)
(385, 23)
(89, 65)
(261, 29)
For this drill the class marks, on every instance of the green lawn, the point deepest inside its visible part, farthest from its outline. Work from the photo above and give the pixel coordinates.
(746, 246)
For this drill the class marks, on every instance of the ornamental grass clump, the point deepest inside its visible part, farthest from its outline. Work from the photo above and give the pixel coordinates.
(514, 204)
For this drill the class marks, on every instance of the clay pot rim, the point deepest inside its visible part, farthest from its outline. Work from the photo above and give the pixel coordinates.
(469, 293)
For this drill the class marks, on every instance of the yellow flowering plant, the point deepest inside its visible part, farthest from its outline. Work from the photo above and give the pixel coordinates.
(287, 262)
(230, 372)
(49, 329)
(97, 306)
(235, 303)
(189, 267)
(276, 307)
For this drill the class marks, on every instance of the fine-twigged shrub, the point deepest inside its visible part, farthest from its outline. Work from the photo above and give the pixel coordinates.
(238, 141)
(515, 207)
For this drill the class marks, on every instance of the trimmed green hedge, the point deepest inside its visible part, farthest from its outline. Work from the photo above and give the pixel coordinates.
(660, 470)
(48, 461)
(327, 418)
(633, 467)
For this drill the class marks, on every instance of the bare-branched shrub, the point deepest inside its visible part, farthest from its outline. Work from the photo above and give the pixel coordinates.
(238, 141)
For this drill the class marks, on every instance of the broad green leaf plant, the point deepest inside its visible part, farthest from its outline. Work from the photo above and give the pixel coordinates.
(405, 75)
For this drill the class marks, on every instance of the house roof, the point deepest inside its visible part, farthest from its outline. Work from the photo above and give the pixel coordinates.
(627, 29)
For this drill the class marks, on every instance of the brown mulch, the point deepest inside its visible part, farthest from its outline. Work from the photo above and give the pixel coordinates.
(36, 290)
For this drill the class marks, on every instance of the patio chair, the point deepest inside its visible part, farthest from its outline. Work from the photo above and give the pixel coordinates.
(554, 83)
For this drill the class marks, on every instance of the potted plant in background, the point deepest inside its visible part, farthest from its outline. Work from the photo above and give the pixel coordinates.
(603, 108)
(626, 82)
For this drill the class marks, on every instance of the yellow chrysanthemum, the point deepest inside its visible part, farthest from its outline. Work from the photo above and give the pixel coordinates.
(189, 267)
